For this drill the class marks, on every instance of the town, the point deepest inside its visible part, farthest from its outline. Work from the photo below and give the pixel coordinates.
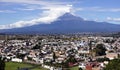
(60, 52)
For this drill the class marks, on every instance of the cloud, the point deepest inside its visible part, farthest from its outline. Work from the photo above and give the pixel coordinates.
(38, 2)
(50, 14)
(7, 11)
(30, 8)
(51, 11)
(108, 10)
(98, 9)
(113, 19)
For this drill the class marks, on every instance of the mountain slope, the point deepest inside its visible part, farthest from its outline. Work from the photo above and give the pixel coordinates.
(67, 23)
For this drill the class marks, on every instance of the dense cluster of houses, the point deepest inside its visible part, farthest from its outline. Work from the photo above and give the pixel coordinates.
(51, 49)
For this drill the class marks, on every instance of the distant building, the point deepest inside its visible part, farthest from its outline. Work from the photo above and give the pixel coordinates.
(16, 60)
(112, 55)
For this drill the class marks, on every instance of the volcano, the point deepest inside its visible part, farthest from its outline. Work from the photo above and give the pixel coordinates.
(66, 23)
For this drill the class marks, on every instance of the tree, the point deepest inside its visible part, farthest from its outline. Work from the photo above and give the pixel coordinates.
(2, 63)
(54, 56)
(90, 45)
(99, 50)
(80, 69)
(102, 59)
(113, 65)
(21, 56)
(37, 46)
(65, 64)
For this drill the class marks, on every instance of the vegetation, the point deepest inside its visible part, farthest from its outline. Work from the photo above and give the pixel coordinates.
(21, 56)
(90, 45)
(2, 64)
(15, 65)
(37, 46)
(109, 41)
(75, 68)
(102, 59)
(71, 59)
(99, 50)
(113, 65)
(54, 56)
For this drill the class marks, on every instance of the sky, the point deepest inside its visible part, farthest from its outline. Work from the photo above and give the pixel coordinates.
(21, 13)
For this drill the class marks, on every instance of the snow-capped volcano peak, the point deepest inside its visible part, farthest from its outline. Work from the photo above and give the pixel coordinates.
(69, 16)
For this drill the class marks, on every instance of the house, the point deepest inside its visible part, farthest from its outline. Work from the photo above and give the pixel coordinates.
(16, 60)
(82, 65)
(112, 55)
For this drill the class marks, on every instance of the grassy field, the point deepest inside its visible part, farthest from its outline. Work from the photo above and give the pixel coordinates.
(14, 66)
(74, 68)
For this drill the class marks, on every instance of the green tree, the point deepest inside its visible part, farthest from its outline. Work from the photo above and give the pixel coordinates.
(102, 59)
(54, 56)
(21, 56)
(99, 50)
(37, 46)
(90, 45)
(113, 65)
(2, 63)
(80, 69)
(65, 64)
